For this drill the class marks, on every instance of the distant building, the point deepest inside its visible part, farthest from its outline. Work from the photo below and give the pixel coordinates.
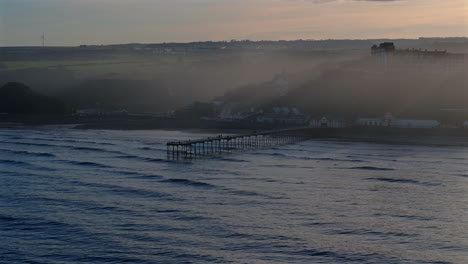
(386, 121)
(327, 123)
(100, 112)
(383, 48)
(407, 59)
(415, 123)
(290, 120)
(369, 122)
(280, 119)
(389, 121)
(282, 115)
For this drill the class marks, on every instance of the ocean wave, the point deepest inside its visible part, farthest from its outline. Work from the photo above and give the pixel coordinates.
(392, 180)
(410, 217)
(231, 159)
(271, 154)
(152, 149)
(365, 232)
(319, 224)
(34, 224)
(140, 158)
(30, 144)
(29, 153)
(327, 159)
(137, 175)
(155, 160)
(281, 166)
(251, 193)
(189, 182)
(70, 141)
(86, 164)
(329, 256)
(147, 176)
(140, 193)
(185, 217)
(371, 168)
(86, 148)
(244, 193)
(6, 218)
(24, 165)
(222, 172)
(457, 158)
(128, 156)
(109, 259)
(124, 190)
(80, 148)
(15, 162)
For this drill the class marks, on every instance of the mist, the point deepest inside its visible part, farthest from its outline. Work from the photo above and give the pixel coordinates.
(323, 78)
(153, 82)
(233, 131)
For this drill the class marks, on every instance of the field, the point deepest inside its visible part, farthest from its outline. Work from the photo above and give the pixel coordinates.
(89, 68)
(69, 64)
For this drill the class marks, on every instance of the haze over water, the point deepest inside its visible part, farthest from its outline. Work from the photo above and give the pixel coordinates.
(72, 196)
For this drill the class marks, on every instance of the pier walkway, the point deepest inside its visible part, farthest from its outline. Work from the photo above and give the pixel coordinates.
(191, 149)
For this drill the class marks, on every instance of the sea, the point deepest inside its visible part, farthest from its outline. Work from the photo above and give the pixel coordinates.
(107, 196)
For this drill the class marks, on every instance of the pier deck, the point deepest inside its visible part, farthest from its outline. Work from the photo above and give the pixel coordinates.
(190, 149)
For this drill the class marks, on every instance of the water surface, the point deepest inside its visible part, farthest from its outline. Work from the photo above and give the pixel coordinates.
(72, 196)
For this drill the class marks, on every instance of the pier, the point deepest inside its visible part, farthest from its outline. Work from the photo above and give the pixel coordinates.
(192, 149)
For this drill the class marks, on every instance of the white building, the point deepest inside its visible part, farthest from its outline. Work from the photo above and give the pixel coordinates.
(415, 123)
(369, 122)
(389, 121)
(386, 121)
(327, 123)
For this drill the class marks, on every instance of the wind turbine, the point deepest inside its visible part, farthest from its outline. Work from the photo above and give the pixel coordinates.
(43, 39)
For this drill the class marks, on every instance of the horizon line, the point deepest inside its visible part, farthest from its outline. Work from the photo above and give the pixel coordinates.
(228, 41)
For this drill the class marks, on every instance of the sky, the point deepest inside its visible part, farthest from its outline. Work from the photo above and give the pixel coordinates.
(75, 22)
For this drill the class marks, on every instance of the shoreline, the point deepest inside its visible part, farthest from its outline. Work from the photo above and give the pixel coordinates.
(407, 136)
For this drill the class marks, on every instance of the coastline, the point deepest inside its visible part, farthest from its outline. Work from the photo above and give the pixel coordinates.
(407, 136)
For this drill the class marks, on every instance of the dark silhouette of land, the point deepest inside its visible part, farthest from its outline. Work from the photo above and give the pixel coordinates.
(17, 98)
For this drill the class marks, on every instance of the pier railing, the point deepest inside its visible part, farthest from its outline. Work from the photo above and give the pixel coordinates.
(191, 149)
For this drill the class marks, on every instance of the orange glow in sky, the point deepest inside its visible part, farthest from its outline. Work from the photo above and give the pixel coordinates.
(73, 22)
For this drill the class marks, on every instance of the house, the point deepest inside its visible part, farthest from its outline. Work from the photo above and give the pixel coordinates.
(368, 122)
(436, 61)
(415, 123)
(383, 48)
(389, 121)
(386, 121)
(327, 123)
(291, 120)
